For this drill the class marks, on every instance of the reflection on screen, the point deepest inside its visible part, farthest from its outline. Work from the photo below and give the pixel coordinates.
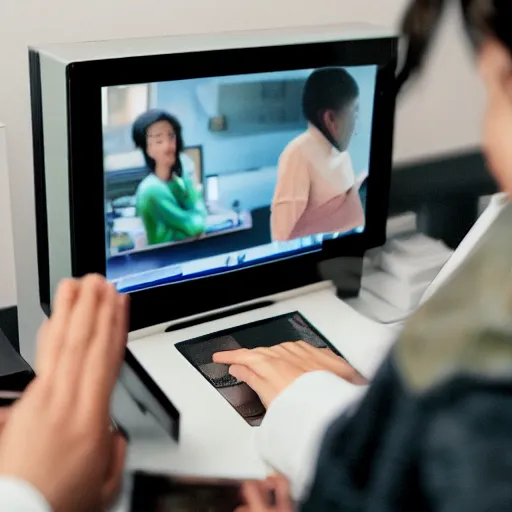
(213, 174)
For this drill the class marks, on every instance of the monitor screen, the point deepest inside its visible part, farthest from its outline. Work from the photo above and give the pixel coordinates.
(209, 175)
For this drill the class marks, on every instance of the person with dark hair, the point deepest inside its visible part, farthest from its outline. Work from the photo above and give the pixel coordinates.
(316, 190)
(433, 431)
(168, 200)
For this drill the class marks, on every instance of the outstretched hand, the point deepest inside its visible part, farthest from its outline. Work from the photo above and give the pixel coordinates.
(269, 371)
(57, 437)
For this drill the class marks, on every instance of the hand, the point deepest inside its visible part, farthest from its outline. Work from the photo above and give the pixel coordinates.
(57, 436)
(269, 371)
(4, 415)
(272, 495)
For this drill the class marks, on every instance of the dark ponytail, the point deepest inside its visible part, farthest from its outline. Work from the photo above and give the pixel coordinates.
(419, 26)
(482, 19)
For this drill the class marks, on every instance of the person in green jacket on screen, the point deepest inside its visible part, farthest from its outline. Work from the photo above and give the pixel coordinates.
(168, 200)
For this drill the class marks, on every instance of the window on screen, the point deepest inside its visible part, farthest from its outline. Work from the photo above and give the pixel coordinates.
(214, 173)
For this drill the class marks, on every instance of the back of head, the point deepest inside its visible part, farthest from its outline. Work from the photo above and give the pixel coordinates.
(327, 89)
(482, 19)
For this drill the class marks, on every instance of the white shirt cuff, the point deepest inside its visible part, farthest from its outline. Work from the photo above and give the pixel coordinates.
(19, 496)
(290, 437)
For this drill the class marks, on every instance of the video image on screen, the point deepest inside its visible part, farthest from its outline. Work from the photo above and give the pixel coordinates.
(291, 327)
(210, 174)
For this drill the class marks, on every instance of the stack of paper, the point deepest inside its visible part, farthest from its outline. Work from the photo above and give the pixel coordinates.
(396, 277)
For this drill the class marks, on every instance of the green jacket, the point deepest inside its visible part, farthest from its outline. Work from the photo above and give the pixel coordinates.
(171, 211)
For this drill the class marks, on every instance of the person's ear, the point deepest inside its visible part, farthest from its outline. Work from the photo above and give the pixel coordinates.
(495, 62)
(328, 119)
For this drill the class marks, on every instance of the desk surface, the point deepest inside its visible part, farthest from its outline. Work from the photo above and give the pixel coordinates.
(215, 440)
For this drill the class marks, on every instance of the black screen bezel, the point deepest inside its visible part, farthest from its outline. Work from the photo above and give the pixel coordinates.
(86, 179)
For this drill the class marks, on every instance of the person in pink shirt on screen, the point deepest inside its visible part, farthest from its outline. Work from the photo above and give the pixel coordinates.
(317, 190)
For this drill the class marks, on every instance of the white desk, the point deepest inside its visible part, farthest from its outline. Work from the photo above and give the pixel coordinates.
(215, 440)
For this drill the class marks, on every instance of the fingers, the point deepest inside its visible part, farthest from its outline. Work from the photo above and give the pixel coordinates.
(120, 338)
(53, 333)
(268, 371)
(230, 356)
(332, 362)
(290, 352)
(245, 374)
(123, 325)
(89, 308)
(271, 495)
(255, 496)
(244, 356)
(263, 387)
(114, 477)
(282, 493)
(106, 353)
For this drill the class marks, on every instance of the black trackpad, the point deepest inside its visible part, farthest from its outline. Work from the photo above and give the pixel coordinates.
(265, 333)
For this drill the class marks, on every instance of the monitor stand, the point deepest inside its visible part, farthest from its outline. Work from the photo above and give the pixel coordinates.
(215, 439)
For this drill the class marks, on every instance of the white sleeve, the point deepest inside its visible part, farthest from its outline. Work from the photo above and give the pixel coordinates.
(19, 496)
(293, 429)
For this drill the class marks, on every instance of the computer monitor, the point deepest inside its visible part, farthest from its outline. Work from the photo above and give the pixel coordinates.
(200, 172)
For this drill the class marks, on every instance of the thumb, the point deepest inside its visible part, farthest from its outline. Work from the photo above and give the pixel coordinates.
(114, 476)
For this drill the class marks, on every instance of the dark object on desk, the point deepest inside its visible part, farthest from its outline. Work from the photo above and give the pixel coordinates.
(264, 333)
(345, 273)
(8, 398)
(444, 193)
(15, 372)
(159, 493)
(9, 324)
(148, 396)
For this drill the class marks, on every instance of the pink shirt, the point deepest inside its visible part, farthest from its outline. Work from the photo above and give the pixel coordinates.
(316, 189)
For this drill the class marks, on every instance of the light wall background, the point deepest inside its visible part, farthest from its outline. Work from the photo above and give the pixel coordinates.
(7, 269)
(440, 115)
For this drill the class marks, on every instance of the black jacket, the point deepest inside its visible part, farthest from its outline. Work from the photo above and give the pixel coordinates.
(434, 432)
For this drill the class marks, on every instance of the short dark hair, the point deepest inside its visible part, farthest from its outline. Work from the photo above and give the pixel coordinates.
(140, 135)
(482, 18)
(327, 89)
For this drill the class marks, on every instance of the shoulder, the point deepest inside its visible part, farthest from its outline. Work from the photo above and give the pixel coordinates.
(345, 158)
(148, 184)
(150, 188)
(466, 327)
(298, 149)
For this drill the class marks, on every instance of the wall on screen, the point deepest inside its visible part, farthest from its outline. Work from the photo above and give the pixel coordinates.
(225, 153)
